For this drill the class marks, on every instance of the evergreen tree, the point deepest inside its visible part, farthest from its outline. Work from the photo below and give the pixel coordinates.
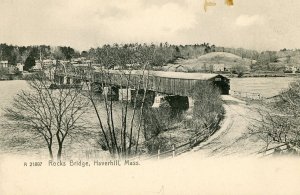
(29, 62)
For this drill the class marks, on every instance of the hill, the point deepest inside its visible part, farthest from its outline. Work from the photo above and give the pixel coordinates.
(208, 61)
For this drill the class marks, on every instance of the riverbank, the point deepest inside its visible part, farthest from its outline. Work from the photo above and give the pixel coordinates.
(16, 76)
(267, 74)
(8, 77)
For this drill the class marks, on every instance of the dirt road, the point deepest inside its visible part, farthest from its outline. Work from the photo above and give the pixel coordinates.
(230, 139)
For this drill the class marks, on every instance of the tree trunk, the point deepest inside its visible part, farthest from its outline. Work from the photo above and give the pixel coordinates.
(60, 147)
(50, 152)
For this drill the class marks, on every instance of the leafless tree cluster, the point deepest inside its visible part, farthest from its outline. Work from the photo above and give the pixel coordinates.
(155, 122)
(53, 115)
(120, 137)
(279, 124)
(208, 109)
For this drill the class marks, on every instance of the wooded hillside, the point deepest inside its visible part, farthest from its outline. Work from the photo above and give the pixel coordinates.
(157, 54)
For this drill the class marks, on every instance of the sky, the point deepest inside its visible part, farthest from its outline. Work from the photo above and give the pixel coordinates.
(252, 24)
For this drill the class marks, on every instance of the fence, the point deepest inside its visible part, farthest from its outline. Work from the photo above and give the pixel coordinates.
(248, 95)
(177, 150)
(281, 149)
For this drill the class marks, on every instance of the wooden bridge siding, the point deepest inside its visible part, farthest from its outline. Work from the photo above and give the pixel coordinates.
(173, 86)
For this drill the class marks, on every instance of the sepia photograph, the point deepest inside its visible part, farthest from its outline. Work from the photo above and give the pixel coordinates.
(149, 97)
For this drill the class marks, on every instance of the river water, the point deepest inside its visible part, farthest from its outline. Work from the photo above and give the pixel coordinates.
(13, 141)
(266, 86)
(16, 141)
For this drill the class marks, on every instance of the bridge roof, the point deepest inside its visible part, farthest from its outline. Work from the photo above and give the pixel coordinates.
(183, 75)
(165, 74)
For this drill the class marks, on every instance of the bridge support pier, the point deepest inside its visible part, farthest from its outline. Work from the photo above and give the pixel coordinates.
(139, 94)
(125, 94)
(177, 102)
(96, 87)
(64, 80)
(159, 100)
(105, 91)
(86, 86)
(191, 104)
(111, 93)
(68, 80)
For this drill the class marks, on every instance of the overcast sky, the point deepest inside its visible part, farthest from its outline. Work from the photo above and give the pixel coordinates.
(254, 24)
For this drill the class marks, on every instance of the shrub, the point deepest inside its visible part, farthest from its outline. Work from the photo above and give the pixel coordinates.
(208, 109)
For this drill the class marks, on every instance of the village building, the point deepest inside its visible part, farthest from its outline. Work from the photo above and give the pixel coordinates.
(48, 62)
(219, 68)
(117, 68)
(81, 60)
(291, 69)
(76, 61)
(42, 64)
(175, 68)
(37, 66)
(63, 62)
(133, 66)
(20, 67)
(4, 64)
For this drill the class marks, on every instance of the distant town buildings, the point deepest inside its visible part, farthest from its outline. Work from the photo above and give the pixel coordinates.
(11, 69)
(81, 60)
(292, 69)
(175, 68)
(43, 64)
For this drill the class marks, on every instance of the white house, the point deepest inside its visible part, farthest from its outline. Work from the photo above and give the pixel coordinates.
(38, 65)
(3, 64)
(20, 67)
(219, 67)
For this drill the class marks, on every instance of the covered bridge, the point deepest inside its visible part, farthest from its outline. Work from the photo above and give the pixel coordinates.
(172, 83)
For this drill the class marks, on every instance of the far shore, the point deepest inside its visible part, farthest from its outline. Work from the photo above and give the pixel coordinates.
(229, 75)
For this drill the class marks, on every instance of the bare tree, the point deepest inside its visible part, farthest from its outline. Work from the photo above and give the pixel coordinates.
(208, 109)
(279, 124)
(54, 115)
(120, 136)
(238, 69)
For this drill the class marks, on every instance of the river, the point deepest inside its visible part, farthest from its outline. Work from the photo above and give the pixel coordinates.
(266, 86)
(13, 141)
(16, 141)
